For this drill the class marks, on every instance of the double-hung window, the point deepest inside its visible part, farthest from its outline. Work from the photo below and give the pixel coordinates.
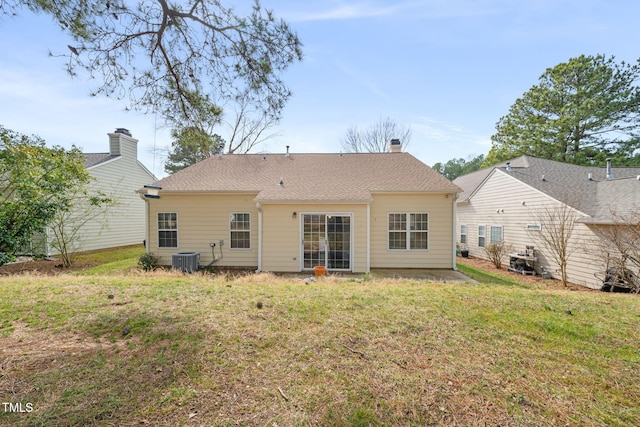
(463, 233)
(496, 234)
(409, 231)
(167, 230)
(482, 236)
(240, 229)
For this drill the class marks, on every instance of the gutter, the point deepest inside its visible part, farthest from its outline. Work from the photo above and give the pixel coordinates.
(313, 201)
(601, 221)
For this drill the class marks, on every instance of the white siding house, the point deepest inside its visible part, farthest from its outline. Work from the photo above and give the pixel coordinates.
(510, 202)
(117, 174)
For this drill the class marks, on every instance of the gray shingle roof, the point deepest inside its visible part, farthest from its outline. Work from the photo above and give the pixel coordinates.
(568, 183)
(619, 195)
(93, 159)
(310, 177)
(470, 182)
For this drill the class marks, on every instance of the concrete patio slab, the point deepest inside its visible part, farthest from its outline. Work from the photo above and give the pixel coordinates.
(436, 275)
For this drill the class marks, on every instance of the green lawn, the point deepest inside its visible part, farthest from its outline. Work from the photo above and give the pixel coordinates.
(119, 261)
(334, 352)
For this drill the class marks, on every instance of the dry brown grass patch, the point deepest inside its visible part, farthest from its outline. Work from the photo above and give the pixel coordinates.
(336, 351)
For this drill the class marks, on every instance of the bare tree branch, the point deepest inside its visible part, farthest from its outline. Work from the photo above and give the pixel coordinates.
(557, 221)
(376, 138)
(248, 127)
(159, 53)
(619, 248)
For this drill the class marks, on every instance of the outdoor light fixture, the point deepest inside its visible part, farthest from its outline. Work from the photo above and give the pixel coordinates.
(152, 191)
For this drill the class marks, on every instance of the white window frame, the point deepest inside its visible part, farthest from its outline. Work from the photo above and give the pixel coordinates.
(482, 235)
(167, 229)
(301, 215)
(496, 227)
(232, 230)
(408, 231)
(463, 234)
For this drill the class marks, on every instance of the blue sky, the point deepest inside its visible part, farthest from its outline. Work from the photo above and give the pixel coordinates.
(449, 69)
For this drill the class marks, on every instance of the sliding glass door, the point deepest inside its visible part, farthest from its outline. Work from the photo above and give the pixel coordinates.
(326, 241)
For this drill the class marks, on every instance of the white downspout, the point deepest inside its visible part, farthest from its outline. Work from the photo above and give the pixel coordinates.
(147, 223)
(47, 241)
(259, 207)
(455, 230)
(146, 231)
(152, 191)
(368, 238)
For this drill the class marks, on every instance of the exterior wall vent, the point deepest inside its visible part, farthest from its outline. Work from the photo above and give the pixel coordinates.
(187, 262)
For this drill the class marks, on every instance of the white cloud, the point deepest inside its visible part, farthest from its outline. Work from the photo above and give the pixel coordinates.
(361, 78)
(437, 129)
(341, 12)
(435, 9)
(434, 140)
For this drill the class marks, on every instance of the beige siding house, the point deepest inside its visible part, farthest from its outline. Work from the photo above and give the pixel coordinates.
(118, 174)
(510, 202)
(292, 212)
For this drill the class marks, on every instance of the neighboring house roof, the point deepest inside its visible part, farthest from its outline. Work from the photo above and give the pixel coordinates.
(470, 182)
(94, 159)
(618, 196)
(567, 183)
(310, 177)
